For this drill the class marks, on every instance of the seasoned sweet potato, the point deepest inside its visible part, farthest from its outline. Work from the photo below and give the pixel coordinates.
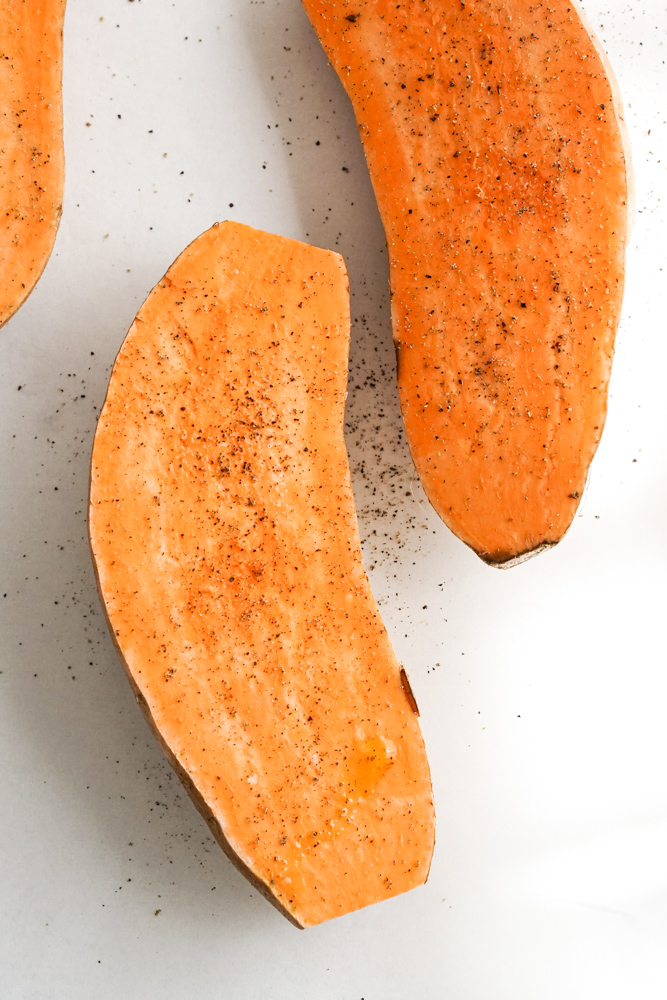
(32, 166)
(224, 535)
(494, 136)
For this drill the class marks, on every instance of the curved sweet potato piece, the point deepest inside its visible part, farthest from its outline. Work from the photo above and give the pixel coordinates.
(32, 164)
(223, 530)
(494, 137)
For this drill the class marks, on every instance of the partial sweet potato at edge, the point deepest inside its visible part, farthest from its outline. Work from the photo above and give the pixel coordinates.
(32, 165)
(495, 140)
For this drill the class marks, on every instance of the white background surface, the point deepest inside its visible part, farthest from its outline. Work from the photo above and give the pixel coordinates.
(543, 689)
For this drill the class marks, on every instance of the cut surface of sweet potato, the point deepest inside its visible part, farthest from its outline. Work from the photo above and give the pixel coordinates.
(494, 137)
(32, 166)
(224, 535)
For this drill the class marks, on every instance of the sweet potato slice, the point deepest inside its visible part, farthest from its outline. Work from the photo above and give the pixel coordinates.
(494, 137)
(32, 166)
(223, 530)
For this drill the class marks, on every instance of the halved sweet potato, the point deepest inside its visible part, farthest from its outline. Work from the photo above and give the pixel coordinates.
(494, 136)
(223, 530)
(32, 165)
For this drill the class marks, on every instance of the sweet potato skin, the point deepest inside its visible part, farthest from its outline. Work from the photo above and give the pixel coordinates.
(32, 165)
(495, 141)
(224, 535)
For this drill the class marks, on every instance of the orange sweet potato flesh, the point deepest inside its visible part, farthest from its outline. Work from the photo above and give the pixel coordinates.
(32, 166)
(224, 534)
(494, 137)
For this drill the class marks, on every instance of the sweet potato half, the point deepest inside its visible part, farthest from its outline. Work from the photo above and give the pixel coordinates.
(32, 165)
(224, 535)
(494, 136)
